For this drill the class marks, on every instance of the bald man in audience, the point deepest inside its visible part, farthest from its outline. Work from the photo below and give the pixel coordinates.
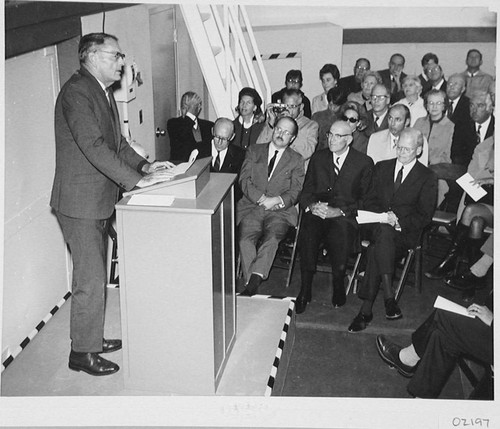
(383, 144)
(405, 191)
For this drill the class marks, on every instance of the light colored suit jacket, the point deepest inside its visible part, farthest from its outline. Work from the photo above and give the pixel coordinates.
(93, 159)
(381, 147)
(306, 141)
(286, 181)
(439, 138)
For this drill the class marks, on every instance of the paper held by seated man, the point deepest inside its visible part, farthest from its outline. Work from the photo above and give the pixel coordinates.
(365, 216)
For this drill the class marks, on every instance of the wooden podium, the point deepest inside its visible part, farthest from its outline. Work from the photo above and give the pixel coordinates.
(177, 283)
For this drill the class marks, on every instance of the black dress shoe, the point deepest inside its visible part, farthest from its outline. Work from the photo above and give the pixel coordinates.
(392, 310)
(445, 268)
(109, 346)
(338, 299)
(252, 285)
(389, 352)
(91, 363)
(300, 304)
(359, 323)
(466, 281)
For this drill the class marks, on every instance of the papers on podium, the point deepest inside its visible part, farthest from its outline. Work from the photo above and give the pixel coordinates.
(151, 200)
(446, 304)
(183, 167)
(475, 191)
(365, 216)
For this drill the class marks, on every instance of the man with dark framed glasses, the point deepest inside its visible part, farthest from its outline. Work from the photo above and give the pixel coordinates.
(293, 80)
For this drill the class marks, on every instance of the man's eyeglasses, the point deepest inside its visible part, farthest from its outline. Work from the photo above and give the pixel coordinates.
(292, 106)
(361, 68)
(378, 97)
(293, 81)
(221, 139)
(116, 54)
(405, 149)
(351, 120)
(330, 135)
(435, 103)
(282, 131)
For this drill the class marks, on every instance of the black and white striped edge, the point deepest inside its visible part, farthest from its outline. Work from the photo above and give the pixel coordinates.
(281, 345)
(33, 333)
(278, 56)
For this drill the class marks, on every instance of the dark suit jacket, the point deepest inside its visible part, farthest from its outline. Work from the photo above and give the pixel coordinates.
(386, 80)
(428, 87)
(232, 162)
(413, 203)
(93, 159)
(348, 191)
(286, 181)
(370, 124)
(464, 140)
(349, 84)
(278, 95)
(461, 113)
(182, 142)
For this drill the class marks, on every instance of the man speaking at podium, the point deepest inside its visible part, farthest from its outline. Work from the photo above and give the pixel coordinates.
(93, 160)
(271, 179)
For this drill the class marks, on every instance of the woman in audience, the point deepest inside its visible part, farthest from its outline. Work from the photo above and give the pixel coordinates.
(363, 97)
(412, 89)
(250, 120)
(439, 132)
(355, 115)
(329, 76)
(474, 216)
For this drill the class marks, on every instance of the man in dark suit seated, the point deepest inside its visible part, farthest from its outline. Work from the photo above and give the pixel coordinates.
(428, 60)
(337, 182)
(458, 107)
(352, 83)
(437, 345)
(93, 161)
(377, 119)
(226, 157)
(293, 80)
(406, 191)
(271, 179)
(187, 131)
(393, 76)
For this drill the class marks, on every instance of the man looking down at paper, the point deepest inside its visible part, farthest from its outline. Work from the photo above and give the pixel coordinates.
(474, 216)
(93, 160)
(406, 190)
(436, 346)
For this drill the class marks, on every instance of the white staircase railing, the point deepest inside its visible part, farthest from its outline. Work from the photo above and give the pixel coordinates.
(225, 46)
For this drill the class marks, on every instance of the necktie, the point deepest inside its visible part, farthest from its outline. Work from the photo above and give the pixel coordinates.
(336, 166)
(450, 109)
(376, 122)
(399, 179)
(478, 134)
(217, 162)
(394, 142)
(271, 164)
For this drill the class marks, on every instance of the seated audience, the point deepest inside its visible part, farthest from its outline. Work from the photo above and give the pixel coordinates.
(382, 145)
(293, 80)
(352, 83)
(428, 60)
(377, 117)
(437, 345)
(474, 216)
(438, 130)
(325, 118)
(226, 157)
(250, 120)
(355, 115)
(271, 179)
(405, 190)
(337, 182)
(329, 76)
(363, 97)
(476, 79)
(436, 79)
(187, 131)
(306, 140)
(412, 90)
(393, 76)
